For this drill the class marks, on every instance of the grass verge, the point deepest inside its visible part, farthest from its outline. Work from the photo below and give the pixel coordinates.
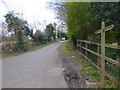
(87, 68)
(30, 50)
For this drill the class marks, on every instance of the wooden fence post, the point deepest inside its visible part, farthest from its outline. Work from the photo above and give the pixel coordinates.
(102, 31)
(103, 55)
(77, 45)
(80, 47)
(98, 59)
(86, 46)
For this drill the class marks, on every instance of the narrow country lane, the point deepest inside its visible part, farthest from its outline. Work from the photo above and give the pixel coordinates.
(38, 69)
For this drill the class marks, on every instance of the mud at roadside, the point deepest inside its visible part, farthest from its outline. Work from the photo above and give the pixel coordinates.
(71, 74)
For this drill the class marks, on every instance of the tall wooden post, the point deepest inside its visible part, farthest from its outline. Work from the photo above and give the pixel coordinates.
(102, 31)
(86, 50)
(98, 59)
(77, 45)
(80, 47)
(103, 55)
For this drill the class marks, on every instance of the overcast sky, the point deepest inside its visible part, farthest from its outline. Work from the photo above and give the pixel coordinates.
(33, 10)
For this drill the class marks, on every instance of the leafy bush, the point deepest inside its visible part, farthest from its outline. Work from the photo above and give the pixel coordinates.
(20, 47)
(40, 37)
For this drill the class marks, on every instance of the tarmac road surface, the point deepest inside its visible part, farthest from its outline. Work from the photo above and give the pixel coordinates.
(37, 69)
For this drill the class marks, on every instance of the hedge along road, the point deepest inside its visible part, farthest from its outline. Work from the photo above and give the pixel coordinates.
(38, 69)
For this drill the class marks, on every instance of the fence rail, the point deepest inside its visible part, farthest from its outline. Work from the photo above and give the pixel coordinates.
(82, 47)
(106, 45)
(96, 53)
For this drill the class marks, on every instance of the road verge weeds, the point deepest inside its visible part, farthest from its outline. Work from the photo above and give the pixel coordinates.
(32, 49)
(78, 73)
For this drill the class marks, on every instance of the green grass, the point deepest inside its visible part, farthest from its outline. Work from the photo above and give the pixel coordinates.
(87, 67)
(94, 73)
(30, 50)
(67, 49)
(87, 64)
(9, 54)
(84, 69)
(112, 87)
(40, 46)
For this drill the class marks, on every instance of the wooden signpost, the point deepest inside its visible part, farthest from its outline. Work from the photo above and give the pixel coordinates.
(102, 31)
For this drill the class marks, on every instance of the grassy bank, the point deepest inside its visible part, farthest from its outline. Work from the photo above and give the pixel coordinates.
(30, 50)
(86, 68)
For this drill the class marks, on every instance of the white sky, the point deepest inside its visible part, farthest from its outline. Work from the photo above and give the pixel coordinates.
(33, 10)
